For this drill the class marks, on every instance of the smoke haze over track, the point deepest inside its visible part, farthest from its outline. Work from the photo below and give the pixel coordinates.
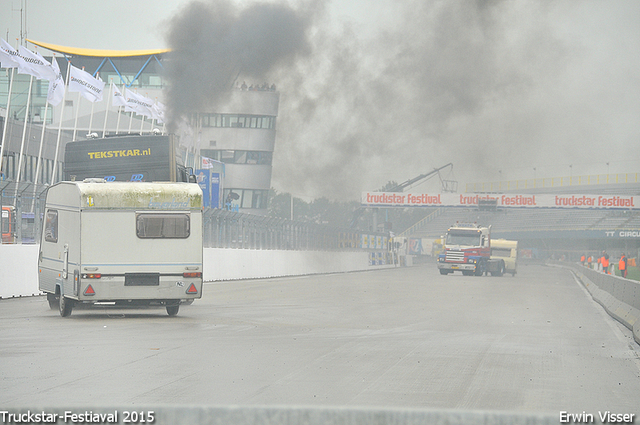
(496, 87)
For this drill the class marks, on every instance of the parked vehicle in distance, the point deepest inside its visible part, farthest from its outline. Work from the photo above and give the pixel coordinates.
(8, 224)
(127, 158)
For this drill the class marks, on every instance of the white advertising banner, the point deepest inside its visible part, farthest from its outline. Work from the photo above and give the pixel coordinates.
(399, 199)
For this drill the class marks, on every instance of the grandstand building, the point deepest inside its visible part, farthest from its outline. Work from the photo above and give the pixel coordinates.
(547, 232)
(241, 135)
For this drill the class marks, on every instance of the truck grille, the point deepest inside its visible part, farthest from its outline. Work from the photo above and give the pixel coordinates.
(455, 256)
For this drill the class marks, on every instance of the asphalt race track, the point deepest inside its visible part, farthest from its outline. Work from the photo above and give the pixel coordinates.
(405, 337)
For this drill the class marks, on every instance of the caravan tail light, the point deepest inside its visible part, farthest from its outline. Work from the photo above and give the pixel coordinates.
(192, 274)
(91, 276)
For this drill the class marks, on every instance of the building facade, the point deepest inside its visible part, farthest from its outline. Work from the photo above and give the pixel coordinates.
(241, 135)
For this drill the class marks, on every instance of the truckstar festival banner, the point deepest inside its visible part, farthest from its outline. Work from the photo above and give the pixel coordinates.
(398, 199)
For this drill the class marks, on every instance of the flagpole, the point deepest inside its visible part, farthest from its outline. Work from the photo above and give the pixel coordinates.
(118, 122)
(6, 119)
(91, 118)
(75, 125)
(106, 111)
(35, 181)
(24, 134)
(44, 125)
(64, 95)
(153, 120)
(130, 122)
(119, 113)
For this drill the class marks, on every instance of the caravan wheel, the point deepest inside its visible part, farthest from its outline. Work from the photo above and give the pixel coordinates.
(66, 306)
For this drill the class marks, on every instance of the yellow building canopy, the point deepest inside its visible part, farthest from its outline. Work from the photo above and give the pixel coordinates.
(78, 51)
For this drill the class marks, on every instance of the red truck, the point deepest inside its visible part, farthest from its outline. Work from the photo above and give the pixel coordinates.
(467, 248)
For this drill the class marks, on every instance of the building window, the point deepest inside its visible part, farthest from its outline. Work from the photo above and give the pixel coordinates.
(245, 198)
(227, 156)
(237, 121)
(239, 157)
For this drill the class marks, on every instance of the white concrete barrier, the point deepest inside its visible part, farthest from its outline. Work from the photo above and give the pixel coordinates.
(18, 270)
(620, 297)
(19, 265)
(230, 264)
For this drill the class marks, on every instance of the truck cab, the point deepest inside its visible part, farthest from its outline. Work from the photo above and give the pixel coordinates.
(468, 249)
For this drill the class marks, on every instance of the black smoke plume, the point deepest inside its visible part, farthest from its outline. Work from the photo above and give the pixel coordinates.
(214, 42)
(498, 88)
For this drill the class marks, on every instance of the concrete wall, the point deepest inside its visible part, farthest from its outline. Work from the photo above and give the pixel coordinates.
(18, 270)
(620, 297)
(229, 264)
(19, 263)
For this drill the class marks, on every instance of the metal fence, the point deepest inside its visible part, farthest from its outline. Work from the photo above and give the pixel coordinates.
(230, 229)
(23, 207)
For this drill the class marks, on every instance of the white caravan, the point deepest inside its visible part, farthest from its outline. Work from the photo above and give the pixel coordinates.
(123, 244)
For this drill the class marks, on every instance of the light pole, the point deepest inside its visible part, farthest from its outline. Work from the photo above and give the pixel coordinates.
(570, 174)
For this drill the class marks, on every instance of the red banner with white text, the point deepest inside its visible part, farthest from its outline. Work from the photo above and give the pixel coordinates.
(399, 199)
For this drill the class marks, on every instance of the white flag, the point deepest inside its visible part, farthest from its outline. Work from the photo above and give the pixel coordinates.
(8, 55)
(56, 87)
(118, 99)
(138, 104)
(36, 65)
(207, 162)
(89, 87)
(158, 112)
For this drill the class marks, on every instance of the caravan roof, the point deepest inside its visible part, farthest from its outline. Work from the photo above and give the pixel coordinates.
(98, 194)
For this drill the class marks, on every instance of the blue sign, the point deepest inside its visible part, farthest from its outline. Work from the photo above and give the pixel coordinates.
(215, 190)
(210, 184)
(203, 177)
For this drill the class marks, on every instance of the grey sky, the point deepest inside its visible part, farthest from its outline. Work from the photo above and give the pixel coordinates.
(391, 90)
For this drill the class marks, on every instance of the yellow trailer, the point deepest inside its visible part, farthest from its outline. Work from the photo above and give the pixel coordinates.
(508, 252)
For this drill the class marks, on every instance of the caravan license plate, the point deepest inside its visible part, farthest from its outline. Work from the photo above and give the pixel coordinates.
(141, 279)
(454, 267)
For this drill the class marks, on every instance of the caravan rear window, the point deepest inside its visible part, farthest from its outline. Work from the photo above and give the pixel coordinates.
(162, 226)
